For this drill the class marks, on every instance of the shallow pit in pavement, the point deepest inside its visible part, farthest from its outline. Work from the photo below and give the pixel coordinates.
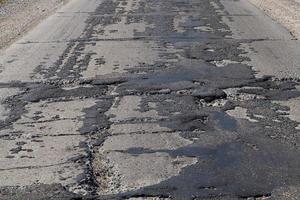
(154, 115)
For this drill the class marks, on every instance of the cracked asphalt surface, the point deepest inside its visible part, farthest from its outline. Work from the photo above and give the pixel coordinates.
(153, 100)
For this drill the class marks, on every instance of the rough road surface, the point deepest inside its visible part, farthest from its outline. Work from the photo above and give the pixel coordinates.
(151, 99)
(18, 16)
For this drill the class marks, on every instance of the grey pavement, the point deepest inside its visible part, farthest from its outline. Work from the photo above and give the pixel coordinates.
(151, 100)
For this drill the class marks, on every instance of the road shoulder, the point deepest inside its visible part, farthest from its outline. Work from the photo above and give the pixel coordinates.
(17, 17)
(286, 12)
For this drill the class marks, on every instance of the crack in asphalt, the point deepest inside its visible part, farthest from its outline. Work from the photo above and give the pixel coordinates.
(239, 159)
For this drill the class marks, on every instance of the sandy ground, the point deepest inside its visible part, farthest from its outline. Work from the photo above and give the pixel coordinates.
(285, 12)
(18, 16)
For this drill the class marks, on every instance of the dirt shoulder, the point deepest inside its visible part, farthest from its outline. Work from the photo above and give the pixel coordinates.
(285, 12)
(18, 16)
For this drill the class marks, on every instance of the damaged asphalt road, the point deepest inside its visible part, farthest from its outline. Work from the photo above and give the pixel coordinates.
(151, 99)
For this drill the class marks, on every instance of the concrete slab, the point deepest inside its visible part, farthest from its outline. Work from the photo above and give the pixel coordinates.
(63, 173)
(275, 58)
(28, 57)
(43, 145)
(117, 129)
(245, 24)
(114, 58)
(147, 141)
(129, 108)
(39, 152)
(135, 172)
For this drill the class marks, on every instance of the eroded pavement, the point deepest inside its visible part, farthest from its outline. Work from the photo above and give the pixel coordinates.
(151, 99)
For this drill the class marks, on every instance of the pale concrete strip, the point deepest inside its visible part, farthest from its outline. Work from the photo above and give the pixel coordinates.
(277, 54)
(254, 26)
(285, 12)
(45, 140)
(276, 58)
(17, 63)
(127, 108)
(120, 170)
(28, 57)
(137, 171)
